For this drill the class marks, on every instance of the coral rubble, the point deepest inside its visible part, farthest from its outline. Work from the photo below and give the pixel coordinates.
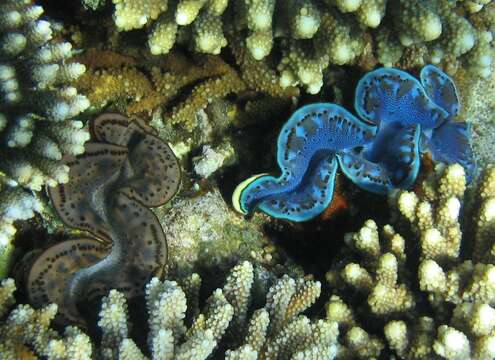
(213, 159)
(203, 232)
(37, 105)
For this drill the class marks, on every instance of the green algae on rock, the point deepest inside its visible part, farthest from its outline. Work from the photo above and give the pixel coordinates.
(203, 232)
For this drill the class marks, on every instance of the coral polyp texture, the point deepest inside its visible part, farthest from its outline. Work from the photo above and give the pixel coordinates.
(390, 297)
(26, 332)
(37, 107)
(229, 325)
(315, 35)
(426, 299)
(110, 189)
(406, 118)
(114, 78)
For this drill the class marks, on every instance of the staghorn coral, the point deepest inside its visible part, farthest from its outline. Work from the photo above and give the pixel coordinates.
(227, 321)
(118, 79)
(203, 94)
(37, 104)
(257, 74)
(112, 185)
(26, 332)
(191, 100)
(440, 32)
(451, 316)
(16, 204)
(115, 78)
(270, 331)
(314, 35)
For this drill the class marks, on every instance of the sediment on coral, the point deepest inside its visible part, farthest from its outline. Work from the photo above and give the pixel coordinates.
(227, 325)
(37, 107)
(479, 102)
(425, 300)
(314, 35)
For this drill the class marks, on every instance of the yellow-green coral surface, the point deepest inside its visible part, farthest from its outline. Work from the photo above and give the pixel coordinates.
(314, 35)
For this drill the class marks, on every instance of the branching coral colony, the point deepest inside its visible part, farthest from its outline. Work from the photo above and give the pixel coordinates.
(226, 321)
(37, 105)
(121, 80)
(390, 297)
(452, 316)
(317, 34)
(115, 78)
(110, 189)
(409, 117)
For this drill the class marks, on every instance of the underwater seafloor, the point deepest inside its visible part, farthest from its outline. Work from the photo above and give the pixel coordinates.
(126, 127)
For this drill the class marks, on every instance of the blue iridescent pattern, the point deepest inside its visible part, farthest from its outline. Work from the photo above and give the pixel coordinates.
(391, 161)
(451, 141)
(398, 104)
(441, 89)
(306, 150)
(389, 95)
(411, 117)
(404, 118)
